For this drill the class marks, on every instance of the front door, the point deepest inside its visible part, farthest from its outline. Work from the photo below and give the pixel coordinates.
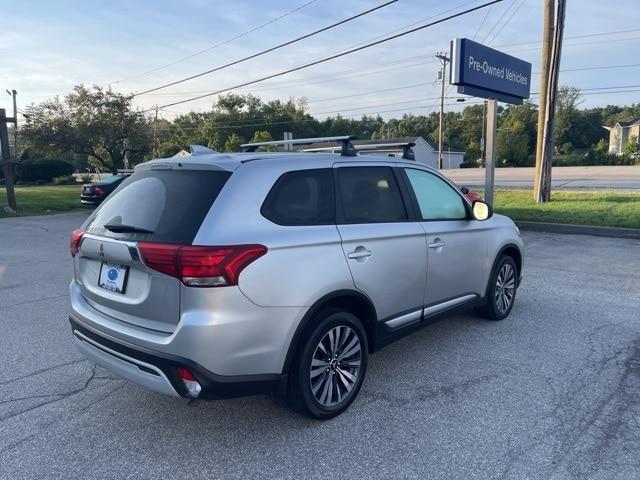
(455, 243)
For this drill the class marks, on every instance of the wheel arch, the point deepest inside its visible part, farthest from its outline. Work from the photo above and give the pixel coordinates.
(351, 300)
(513, 251)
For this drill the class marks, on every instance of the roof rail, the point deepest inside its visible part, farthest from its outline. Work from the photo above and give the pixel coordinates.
(407, 150)
(348, 149)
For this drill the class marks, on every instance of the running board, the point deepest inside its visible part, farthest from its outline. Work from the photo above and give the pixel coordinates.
(418, 315)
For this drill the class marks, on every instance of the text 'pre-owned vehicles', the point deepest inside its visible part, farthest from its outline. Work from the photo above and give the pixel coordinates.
(229, 274)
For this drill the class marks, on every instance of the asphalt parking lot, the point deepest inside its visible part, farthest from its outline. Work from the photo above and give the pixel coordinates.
(551, 392)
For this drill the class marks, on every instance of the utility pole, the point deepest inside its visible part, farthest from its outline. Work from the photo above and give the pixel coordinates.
(544, 192)
(14, 94)
(6, 159)
(155, 134)
(484, 121)
(444, 59)
(547, 39)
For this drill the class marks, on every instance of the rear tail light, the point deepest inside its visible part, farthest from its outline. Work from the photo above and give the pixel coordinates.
(76, 240)
(98, 192)
(200, 266)
(190, 382)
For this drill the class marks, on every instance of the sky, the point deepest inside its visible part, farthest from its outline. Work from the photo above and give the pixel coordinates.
(47, 47)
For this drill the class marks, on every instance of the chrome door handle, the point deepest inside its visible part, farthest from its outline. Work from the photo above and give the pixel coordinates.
(436, 244)
(357, 254)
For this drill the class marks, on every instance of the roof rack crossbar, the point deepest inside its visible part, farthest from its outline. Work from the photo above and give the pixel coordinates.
(347, 149)
(407, 150)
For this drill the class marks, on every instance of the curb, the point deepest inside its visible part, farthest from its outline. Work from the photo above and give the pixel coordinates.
(580, 229)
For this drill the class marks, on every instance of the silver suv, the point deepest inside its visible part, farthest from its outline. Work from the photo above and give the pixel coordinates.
(223, 275)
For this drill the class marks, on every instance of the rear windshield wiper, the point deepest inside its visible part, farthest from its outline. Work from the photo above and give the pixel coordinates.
(120, 228)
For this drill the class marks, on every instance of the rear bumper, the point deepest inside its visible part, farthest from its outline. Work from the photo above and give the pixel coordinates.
(87, 200)
(158, 371)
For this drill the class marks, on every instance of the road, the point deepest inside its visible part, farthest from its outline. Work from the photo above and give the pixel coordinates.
(551, 392)
(615, 177)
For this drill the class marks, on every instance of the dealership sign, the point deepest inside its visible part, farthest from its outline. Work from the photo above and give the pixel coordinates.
(484, 72)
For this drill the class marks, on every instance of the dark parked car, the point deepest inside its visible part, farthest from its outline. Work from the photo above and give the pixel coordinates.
(95, 192)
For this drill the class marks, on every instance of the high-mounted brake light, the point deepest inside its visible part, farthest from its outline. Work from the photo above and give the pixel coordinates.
(76, 240)
(200, 266)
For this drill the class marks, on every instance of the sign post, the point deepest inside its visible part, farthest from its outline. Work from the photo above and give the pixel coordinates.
(483, 72)
(490, 155)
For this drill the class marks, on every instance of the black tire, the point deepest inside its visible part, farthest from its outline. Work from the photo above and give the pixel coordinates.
(494, 307)
(306, 378)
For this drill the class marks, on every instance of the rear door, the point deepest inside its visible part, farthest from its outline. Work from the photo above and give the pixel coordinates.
(164, 206)
(385, 251)
(456, 244)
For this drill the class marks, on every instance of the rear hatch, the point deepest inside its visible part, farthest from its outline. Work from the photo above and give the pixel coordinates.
(163, 206)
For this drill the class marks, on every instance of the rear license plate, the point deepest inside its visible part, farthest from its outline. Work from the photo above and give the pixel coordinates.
(113, 277)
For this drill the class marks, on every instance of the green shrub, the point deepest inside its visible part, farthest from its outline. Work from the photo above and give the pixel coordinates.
(64, 180)
(86, 178)
(43, 169)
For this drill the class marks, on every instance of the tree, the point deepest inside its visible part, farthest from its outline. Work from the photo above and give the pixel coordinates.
(97, 123)
(566, 115)
(264, 136)
(233, 143)
(516, 135)
(632, 147)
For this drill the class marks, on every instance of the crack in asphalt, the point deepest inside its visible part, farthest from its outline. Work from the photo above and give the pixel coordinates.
(53, 422)
(62, 397)
(576, 415)
(43, 370)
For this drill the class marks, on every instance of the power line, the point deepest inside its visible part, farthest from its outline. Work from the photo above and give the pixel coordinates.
(268, 50)
(498, 21)
(365, 72)
(495, 35)
(484, 19)
(224, 42)
(238, 123)
(390, 32)
(573, 37)
(415, 100)
(359, 72)
(332, 57)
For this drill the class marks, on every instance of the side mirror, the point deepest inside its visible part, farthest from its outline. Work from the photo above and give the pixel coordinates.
(481, 210)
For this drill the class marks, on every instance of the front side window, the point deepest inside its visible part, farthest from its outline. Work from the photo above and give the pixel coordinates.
(436, 198)
(370, 195)
(303, 197)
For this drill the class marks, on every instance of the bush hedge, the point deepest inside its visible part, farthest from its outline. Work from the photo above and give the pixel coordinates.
(43, 169)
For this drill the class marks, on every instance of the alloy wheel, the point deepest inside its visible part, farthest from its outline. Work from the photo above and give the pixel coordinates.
(505, 287)
(335, 366)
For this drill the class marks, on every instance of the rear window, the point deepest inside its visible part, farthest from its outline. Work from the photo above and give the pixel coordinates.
(169, 204)
(112, 179)
(303, 197)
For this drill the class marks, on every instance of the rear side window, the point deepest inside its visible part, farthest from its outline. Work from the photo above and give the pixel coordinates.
(169, 204)
(370, 195)
(303, 197)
